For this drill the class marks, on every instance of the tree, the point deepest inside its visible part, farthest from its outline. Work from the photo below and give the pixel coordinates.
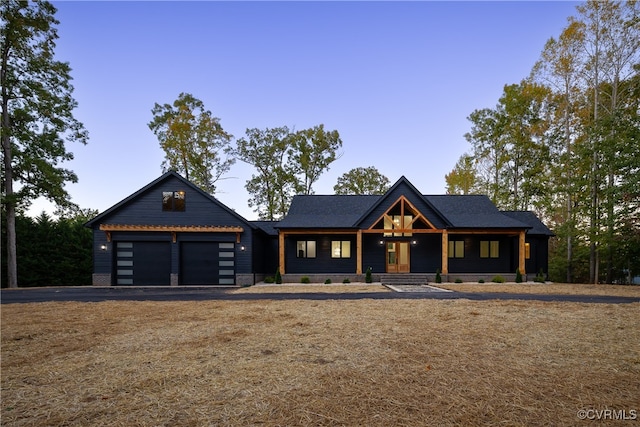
(310, 154)
(462, 179)
(287, 163)
(362, 181)
(193, 140)
(37, 114)
(273, 186)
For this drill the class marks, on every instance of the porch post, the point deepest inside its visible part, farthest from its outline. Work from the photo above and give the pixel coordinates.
(521, 250)
(281, 251)
(359, 252)
(445, 252)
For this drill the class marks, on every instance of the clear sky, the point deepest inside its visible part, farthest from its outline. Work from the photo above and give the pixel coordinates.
(396, 79)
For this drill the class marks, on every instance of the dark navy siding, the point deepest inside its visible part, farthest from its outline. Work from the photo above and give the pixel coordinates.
(323, 262)
(426, 254)
(472, 263)
(373, 253)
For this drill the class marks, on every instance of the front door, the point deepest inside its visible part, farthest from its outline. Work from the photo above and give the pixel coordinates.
(398, 257)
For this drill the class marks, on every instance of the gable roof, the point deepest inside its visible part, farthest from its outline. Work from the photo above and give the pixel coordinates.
(403, 182)
(473, 211)
(168, 175)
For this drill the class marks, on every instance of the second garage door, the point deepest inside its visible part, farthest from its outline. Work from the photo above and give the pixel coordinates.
(207, 263)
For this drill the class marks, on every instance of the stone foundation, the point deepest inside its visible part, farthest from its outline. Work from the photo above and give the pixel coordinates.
(101, 279)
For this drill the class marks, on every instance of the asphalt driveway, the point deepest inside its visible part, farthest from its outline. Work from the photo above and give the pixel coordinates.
(97, 294)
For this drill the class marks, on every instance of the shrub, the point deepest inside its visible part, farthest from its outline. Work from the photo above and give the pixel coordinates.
(518, 276)
(305, 279)
(346, 280)
(269, 279)
(481, 281)
(498, 279)
(278, 277)
(438, 278)
(367, 276)
(540, 277)
(327, 282)
(458, 280)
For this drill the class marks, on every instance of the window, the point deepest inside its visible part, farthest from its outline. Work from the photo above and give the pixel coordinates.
(306, 249)
(527, 250)
(489, 249)
(456, 249)
(173, 201)
(341, 249)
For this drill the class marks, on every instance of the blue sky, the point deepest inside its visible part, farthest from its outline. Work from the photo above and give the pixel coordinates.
(396, 79)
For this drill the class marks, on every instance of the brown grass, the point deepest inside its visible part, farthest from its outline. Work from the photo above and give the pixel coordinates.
(545, 288)
(365, 362)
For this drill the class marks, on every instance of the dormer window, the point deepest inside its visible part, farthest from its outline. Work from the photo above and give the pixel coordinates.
(173, 201)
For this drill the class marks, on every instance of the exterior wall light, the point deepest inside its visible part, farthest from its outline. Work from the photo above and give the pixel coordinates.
(103, 247)
(381, 242)
(414, 242)
(242, 248)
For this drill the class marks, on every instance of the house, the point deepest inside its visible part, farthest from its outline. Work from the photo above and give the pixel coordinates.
(172, 233)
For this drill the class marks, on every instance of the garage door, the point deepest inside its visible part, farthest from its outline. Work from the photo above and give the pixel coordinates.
(143, 263)
(207, 263)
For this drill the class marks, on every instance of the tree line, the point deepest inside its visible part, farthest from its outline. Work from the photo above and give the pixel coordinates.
(565, 143)
(286, 162)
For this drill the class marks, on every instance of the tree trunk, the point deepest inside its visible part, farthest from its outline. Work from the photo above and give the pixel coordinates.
(10, 204)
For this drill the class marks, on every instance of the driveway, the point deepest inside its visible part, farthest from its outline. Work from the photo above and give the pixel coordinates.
(97, 294)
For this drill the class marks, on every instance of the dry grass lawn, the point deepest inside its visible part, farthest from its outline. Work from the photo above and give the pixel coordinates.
(282, 363)
(545, 288)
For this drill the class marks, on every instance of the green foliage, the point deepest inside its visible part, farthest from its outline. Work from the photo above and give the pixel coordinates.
(305, 279)
(462, 179)
(481, 281)
(498, 279)
(438, 277)
(278, 277)
(458, 280)
(540, 277)
(269, 279)
(193, 141)
(367, 276)
(346, 280)
(37, 115)
(362, 181)
(287, 163)
(52, 252)
(327, 282)
(518, 276)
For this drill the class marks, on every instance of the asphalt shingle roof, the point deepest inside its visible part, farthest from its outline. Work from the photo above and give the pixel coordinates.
(462, 211)
(473, 211)
(331, 211)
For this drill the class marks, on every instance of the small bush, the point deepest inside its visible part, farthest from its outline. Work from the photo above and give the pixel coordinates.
(346, 280)
(458, 280)
(278, 277)
(438, 278)
(481, 281)
(269, 279)
(498, 279)
(367, 276)
(540, 277)
(305, 279)
(518, 276)
(327, 282)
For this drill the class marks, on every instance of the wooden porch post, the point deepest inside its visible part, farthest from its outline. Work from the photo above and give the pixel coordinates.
(445, 252)
(521, 253)
(281, 251)
(359, 252)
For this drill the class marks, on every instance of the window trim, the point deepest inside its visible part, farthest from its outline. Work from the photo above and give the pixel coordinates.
(456, 249)
(489, 249)
(344, 246)
(305, 251)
